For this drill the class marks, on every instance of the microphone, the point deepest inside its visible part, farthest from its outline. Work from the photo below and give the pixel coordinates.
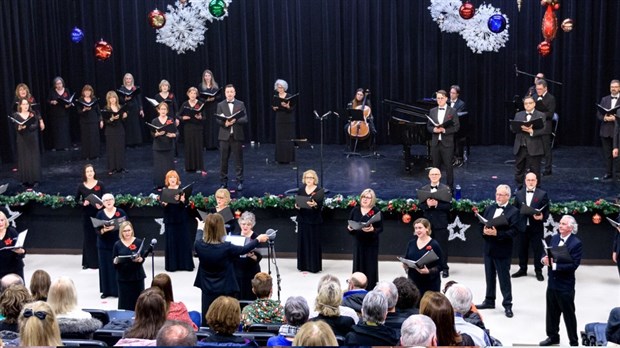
(335, 113)
(151, 247)
(516, 71)
(316, 114)
(153, 242)
(272, 234)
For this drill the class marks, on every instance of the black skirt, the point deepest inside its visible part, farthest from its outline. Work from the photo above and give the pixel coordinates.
(193, 147)
(285, 131)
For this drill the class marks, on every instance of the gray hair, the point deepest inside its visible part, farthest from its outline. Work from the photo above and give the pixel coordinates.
(296, 310)
(460, 297)
(572, 223)
(176, 333)
(249, 217)
(281, 82)
(107, 196)
(10, 279)
(390, 291)
(505, 188)
(418, 330)
(374, 307)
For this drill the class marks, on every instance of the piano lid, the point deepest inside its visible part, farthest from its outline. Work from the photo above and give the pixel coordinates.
(419, 108)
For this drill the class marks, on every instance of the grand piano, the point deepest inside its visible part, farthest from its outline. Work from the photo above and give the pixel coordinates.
(407, 126)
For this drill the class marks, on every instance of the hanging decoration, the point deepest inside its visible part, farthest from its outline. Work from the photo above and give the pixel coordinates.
(186, 23)
(475, 31)
(467, 10)
(497, 23)
(549, 24)
(519, 3)
(103, 50)
(156, 19)
(596, 218)
(77, 35)
(567, 25)
(544, 48)
(406, 218)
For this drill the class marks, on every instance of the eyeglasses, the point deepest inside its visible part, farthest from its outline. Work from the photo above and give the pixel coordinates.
(368, 197)
(220, 197)
(127, 230)
(308, 177)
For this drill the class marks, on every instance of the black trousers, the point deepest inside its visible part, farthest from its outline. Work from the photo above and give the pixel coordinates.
(523, 162)
(228, 147)
(561, 303)
(611, 163)
(442, 157)
(531, 236)
(499, 267)
(441, 235)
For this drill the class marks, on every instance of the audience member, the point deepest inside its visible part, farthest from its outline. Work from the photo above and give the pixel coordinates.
(344, 311)
(612, 332)
(150, 317)
(176, 310)
(460, 298)
(296, 313)
(394, 319)
(437, 307)
(354, 296)
(327, 305)
(12, 300)
(176, 333)
(408, 296)
(418, 330)
(38, 326)
(73, 322)
(223, 319)
(370, 331)
(472, 316)
(9, 280)
(40, 285)
(315, 333)
(263, 309)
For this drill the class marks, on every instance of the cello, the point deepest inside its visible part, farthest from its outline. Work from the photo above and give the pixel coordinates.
(360, 129)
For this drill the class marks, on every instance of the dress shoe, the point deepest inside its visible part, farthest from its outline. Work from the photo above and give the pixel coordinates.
(103, 296)
(445, 273)
(240, 187)
(519, 273)
(509, 313)
(540, 277)
(485, 305)
(548, 342)
(607, 176)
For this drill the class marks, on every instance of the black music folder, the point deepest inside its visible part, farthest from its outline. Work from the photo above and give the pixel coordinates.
(236, 115)
(527, 210)
(106, 223)
(558, 254)
(428, 257)
(537, 123)
(131, 93)
(356, 225)
(302, 201)
(92, 102)
(444, 124)
(495, 222)
(129, 258)
(168, 128)
(443, 195)
(603, 110)
(169, 195)
(613, 222)
(107, 114)
(93, 199)
(277, 100)
(66, 101)
(209, 95)
(27, 122)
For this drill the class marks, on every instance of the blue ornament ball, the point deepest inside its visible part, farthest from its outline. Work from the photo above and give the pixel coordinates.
(77, 35)
(497, 23)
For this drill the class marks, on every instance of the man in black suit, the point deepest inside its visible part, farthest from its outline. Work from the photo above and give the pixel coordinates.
(561, 285)
(545, 103)
(606, 130)
(528, 147)
(461, 136)
(534, 225)
(498, 249)
(231, 135)
(443, 123)
(438, 212)
(531, 92)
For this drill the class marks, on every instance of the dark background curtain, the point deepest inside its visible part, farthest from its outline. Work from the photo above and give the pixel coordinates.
(325, 49)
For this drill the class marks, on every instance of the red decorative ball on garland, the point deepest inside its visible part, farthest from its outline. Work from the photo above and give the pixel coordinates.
(237, 214)
(467, 10)
(596, 219)
(156, 19)
(406, 218)
(544, 48)
(103, 50)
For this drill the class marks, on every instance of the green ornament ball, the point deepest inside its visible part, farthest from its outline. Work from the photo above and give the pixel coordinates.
(217, 8)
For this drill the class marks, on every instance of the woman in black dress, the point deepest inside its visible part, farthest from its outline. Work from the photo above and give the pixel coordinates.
(90, 122)
(309, 221)
(11, 260)
(285, 123)
(128, 260)
(21, 92)
(208, 90)
(192, 127)
(246, 266)
(429, 277)
(163, 146)
(366, 242)
(135, 113)
(108, 236)
(28, 154)
(90, 185)
(114, 121)
(178, 239)
(165, 95)
(58, 114)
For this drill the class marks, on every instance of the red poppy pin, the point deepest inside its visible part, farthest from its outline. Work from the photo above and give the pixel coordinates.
(168, 122)
(132, 247)
(535, 199)
(64, 95)
(370, 213)
(170, 96)
(97, 188)
(428, 247)
(117, 214)
(8, 241)
(196, 106)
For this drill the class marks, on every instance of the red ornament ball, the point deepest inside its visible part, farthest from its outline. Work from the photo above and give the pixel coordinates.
(556, 6)
(596, 219)
(156, 19)
(467, 10)
(406, 218)
(237, 214)
(544, 48)
(103, 50)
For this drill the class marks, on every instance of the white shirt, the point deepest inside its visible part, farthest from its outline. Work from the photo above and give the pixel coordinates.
(441, 114)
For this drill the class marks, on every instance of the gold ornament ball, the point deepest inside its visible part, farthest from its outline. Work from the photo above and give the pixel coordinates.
(406, 218)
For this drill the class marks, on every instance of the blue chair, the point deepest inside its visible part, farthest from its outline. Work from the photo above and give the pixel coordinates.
(196, 317)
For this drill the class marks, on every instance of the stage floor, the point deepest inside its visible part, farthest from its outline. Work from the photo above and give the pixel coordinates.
(575, 172)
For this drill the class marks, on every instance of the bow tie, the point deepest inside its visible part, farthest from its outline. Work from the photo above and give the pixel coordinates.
(614, 97)
(529, 114)
(231, 102)
(530, 191)
(442, 108)
(501, 206)
(434, 187)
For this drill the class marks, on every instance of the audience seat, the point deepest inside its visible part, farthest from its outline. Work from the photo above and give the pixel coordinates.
(121, 314)
(110, 337)
(340, 340)
(259, 337)
(83, 343)
(265, 327)
(196, 317)
(243, 303)
(100, 314)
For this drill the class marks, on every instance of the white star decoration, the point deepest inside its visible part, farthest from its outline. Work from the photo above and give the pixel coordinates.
(13, 215)
(460, 233)
(294, 219)
(162, 228)
(551, 227)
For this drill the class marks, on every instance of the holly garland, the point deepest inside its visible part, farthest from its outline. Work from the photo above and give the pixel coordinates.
(396, 205)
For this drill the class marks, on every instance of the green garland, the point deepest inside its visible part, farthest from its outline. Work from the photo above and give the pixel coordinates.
(396, 205)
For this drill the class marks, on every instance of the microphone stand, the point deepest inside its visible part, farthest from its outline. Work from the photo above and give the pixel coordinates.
(517, 72)
(321, 119)
(271, 257)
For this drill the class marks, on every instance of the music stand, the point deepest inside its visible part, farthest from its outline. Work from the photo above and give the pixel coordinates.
(354, 115)
(321, 119)
(298, 143)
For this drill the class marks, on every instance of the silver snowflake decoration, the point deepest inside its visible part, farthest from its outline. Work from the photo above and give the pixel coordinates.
(477, 34)
(457, 230)
(13, 215)
(446, 14)
(551, 227)
(294, 219)
(183, 30)
(162, 227)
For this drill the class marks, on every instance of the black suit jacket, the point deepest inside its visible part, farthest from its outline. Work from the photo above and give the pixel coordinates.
(459, 105)
(563, 278)
(500, 246)
(533, 142)
(224, 133)
(539, 200)
(447, 138)
(438, 216)
(607, 128)
(546, 105)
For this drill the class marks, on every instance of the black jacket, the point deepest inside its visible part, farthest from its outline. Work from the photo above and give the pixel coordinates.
(366, 335)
